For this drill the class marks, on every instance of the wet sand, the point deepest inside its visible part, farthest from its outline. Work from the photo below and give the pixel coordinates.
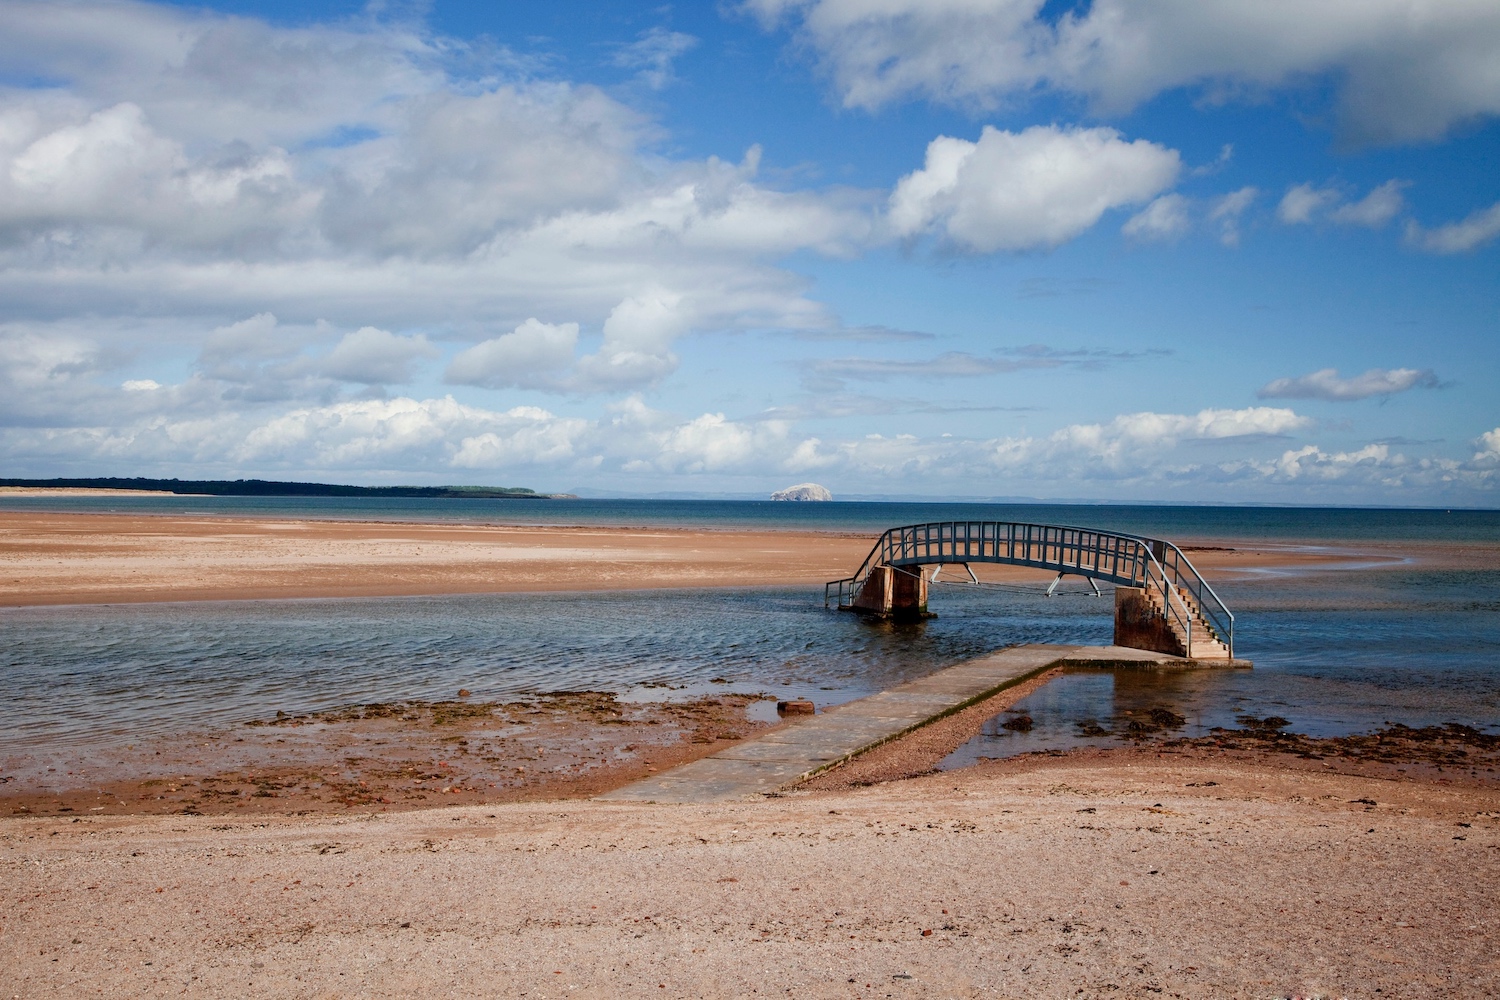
(385, 757)
(1144, 876)
(62, 558)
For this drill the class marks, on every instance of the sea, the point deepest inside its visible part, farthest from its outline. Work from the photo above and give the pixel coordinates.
(1347, 650)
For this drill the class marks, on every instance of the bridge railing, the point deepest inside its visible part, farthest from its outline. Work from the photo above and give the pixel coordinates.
(1152, 564)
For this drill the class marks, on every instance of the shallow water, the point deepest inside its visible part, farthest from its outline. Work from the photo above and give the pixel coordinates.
(1334, 653)
(83, 674)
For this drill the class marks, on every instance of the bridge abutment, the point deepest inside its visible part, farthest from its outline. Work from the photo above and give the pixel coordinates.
(1139, 624)
(893, 592)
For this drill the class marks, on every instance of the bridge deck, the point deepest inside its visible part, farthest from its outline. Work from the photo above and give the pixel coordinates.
(801, 749)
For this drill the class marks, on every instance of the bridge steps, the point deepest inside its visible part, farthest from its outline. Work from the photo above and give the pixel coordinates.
(1206, 644)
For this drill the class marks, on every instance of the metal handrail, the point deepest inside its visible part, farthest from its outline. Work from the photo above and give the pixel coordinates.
(1152, 564)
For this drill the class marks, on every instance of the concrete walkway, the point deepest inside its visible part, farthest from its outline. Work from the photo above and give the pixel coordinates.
(798, 750)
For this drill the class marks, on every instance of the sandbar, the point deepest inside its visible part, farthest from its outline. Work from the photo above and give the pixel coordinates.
(76, 558)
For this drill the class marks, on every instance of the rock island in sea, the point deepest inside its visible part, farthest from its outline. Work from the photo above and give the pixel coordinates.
(803, 491)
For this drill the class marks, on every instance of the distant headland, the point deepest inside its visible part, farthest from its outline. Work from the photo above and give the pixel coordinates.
(270, 488)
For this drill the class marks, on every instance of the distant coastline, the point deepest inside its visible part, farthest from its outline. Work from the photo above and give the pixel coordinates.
(271, 488)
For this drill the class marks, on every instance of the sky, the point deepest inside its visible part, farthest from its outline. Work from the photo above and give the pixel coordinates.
(1119, 250)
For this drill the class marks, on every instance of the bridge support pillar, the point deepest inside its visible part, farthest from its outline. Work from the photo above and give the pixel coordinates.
(1140, 624)
(893, 593)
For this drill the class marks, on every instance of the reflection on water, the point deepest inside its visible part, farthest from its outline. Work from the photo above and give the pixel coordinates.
(1099, 708)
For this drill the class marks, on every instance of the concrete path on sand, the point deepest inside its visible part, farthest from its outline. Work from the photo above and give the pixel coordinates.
(797, 751)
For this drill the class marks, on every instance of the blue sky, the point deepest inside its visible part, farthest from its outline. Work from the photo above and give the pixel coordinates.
(1119, 250)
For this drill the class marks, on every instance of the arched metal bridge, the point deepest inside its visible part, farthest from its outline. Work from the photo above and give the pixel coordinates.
(1172, 588)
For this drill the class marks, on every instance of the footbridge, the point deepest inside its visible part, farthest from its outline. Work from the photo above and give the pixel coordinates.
(1162, 603)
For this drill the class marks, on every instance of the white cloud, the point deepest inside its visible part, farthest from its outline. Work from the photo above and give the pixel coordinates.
(1304, 203)
(1227, 210)
(1164, 219)
(1034, 189)
(653, 53)
(381, 433)
(1140, 453)
(1488, 446)
(1326, 384)
(1375, 209)
(376, 357)
(637, 340)
(405, 182)
(140, 385)
(1133, 431)
(534, 355)
(1400, 70)
(1312, 462)
(1479, 228)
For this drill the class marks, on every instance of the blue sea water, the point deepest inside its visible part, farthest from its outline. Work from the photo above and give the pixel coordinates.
(1335, 652)
(1175, 522)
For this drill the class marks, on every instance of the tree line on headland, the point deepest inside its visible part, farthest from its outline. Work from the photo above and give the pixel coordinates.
(269, 488)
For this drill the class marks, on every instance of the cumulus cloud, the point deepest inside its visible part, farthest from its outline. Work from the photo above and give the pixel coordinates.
(376, 357)
(1479, 228)
(1154, 429)
(406, 181)
(1035, 189)
(1312, 462)
(1304, 203)
(1135, 446)
(533, 355)
(1488, 446)
(637, 340)
(1165, 218)
(1327, 385)
(436, 437)
(1400, 70)
(375, 433)
(1375, 209)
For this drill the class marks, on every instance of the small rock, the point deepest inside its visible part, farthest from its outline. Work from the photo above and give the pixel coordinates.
(464, 692)
(796, 706)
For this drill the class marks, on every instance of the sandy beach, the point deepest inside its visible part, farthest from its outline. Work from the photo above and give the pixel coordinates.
(1143, 877)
